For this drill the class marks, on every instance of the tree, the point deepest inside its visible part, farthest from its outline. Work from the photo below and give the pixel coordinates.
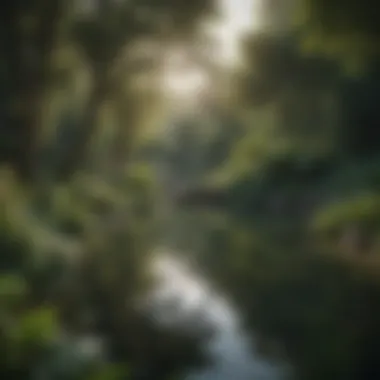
(102, 34)
(107, 34)
(30, 31)
(341, 29)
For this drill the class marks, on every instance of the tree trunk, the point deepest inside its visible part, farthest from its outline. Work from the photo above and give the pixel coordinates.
(77, 151)
(27, 51)
(121, 147)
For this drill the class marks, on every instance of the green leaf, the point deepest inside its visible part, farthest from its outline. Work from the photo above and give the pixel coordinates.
(38, 326)
(12, 287)
(109, 372)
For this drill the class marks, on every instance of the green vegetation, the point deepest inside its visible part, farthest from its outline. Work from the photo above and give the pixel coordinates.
(287, 173)
(77, 212)
(299, 253)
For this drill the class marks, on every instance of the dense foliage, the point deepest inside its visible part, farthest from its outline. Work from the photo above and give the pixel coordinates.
(299, 251)
(288, 179)
(78, 219)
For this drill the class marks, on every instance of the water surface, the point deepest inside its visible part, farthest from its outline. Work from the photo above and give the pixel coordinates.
(183, 297)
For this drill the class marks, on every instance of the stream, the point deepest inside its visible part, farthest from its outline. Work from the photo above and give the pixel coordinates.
(183, 297)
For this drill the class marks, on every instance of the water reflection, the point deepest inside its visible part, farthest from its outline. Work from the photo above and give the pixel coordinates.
(184, 299)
